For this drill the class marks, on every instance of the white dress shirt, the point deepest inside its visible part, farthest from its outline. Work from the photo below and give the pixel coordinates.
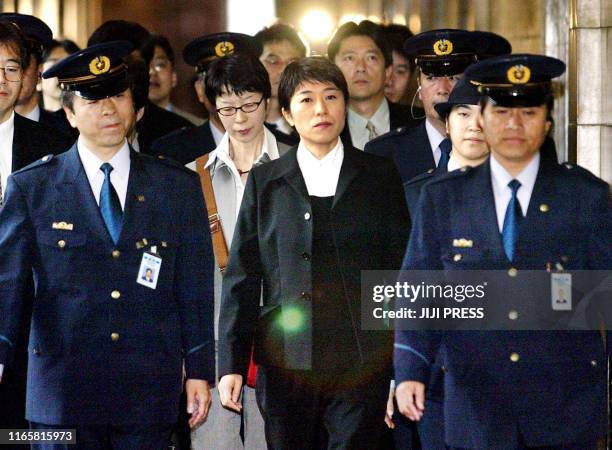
(34, 114)
(502, 192)
(7, 131)
(216, 133)
(435, 138)
(453, 164)
(119, 176)
(282, 125)
(357, 124)
(321, 175)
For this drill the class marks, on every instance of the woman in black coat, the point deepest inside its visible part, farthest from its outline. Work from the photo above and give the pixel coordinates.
(309, 223)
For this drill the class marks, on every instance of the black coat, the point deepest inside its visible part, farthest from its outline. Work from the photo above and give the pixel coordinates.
(155, 123)
(272, 245)
(399, 116)
(186, 144)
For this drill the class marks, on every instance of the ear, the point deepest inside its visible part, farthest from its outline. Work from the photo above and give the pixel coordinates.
(446, 126)
(70, 116)
(139, 114)
(548, 126)
(199, 88)
(287, 116)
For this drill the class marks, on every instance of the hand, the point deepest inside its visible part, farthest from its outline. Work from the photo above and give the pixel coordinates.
(390, 409)
(198, 401)
(230, 387)
(410, 396)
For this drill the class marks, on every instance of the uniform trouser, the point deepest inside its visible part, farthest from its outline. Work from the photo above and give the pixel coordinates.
(305, 410)
(111, 437)
(221, 431)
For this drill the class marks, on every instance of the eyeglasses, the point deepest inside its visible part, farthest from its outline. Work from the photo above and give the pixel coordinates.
(229, 111)
(12, 73)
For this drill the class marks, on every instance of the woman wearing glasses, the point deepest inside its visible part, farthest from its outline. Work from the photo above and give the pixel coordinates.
(239, 87)
(310, 222)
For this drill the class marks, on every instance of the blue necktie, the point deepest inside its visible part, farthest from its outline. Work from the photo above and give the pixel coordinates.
(110, 207)
(512, 221)
(445, 149)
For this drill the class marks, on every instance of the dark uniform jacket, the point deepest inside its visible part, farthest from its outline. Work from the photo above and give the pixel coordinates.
(33, 140)
(155, 123)
(186, 144)
(399, 116)
(273, 243)
(540, 388)
(104, 349)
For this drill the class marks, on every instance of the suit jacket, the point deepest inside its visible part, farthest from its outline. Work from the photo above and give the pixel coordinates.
(272, 245)
(32, 141)
(186, 144)
(286, 139)
(155, 123)
(399, 116)
(86, 290)
(409, 148)
(557, 391)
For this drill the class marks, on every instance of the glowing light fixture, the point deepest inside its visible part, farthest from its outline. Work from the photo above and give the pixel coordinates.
(317, 25)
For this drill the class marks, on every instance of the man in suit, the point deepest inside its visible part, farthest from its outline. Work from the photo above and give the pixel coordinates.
(441, 56)
(22, 142)
(517, 211)
(107, 353)
(188, 144)
(364, 57)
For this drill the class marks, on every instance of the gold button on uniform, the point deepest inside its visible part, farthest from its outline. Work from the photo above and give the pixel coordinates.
(513, 315)
(544, 207)
(307, 216)
(61, 243)
(116, 254)
(594, 363)
(115, 294)
(114, 337)
(514, 357)
(457, 257)
(512, 272)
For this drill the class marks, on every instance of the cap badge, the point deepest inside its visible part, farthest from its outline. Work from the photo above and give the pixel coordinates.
(519, 74)
(99, 65)
(443, 47)
(224, 48)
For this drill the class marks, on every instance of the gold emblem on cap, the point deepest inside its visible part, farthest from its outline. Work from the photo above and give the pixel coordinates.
(224, 48)
(519, 74)
(443, 47)
(99, 65)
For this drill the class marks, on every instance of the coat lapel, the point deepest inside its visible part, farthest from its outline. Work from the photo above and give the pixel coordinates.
(348, 172)
(75, 201)
(289, 169)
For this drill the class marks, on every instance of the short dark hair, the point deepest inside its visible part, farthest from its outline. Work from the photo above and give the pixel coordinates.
(281, 32)
(11, 36)
(237, 73)
(365, 28)
(156, 40)
(313, 69)
(69, 46)
(396, 35)
(120, 30)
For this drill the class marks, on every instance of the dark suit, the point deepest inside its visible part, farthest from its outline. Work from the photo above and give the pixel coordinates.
(31, 141)
(273, 244)
(552, 390)
(399, 116)
(284, 138)
(86, 289)
(409, 148)
(155, 123)
(186, 144)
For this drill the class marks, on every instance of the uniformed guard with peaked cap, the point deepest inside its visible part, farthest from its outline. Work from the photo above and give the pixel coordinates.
(108, 349)
(441, 56)
(188, 144)
(519, 211)
(37, 31)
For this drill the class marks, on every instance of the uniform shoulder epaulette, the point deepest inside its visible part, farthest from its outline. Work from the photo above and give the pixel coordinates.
(38, 163)
(396, 132)
(459, 173)
(582, 172)
(423, 176)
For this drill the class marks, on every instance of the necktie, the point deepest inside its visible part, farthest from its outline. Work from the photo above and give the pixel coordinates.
(110, 207)
(371, 130)
(512, 221)
(445, 150)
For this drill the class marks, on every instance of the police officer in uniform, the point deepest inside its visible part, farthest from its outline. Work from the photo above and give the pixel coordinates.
(517, 211)
(107, 349)
(188, 144)
(441, 57)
